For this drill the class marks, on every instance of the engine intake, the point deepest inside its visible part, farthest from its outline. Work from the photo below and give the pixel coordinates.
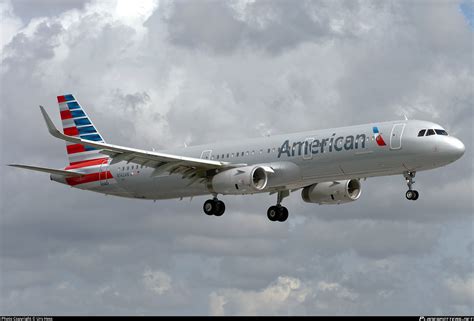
(336, 192)
(242, 180)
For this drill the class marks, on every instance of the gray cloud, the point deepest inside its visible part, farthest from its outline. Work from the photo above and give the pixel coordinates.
(27, 9)
(271, 26)
(159, 75)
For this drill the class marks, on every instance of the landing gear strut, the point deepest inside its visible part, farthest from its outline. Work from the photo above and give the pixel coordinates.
(278, 212)
(214, 207)
(411, 194)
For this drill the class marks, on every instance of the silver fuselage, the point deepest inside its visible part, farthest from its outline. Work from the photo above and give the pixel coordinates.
(299, 159)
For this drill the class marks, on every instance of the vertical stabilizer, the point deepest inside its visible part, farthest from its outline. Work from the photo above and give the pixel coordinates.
(77, 123)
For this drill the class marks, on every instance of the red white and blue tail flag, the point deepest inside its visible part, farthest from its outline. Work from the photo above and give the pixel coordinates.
(76, 123)
(378, 137)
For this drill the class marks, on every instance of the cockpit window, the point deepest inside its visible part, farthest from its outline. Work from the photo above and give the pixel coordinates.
(422, 133)
(430, 132)
(441, 132)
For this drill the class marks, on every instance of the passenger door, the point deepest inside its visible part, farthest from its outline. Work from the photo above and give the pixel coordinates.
(103, 173)
(396, 136)
(206, 154)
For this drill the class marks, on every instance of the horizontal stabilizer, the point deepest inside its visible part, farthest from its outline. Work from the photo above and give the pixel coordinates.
(49, 170)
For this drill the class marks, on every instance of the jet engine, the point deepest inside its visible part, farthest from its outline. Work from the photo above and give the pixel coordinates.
(336, 192)
(242, 180)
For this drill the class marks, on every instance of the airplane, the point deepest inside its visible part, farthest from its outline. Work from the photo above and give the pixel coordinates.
(326, 165)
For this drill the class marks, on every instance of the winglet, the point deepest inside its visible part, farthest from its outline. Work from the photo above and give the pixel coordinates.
(51, 128)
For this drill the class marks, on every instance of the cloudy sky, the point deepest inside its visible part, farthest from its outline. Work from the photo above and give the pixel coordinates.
(158, 74)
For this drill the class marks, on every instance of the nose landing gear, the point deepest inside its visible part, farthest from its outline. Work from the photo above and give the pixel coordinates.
(411, 194)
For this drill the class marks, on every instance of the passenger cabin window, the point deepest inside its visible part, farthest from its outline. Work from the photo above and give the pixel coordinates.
(430, 132)
(441, 132)
(422, 133)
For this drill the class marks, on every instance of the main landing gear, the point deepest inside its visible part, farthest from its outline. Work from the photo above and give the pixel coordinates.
(275, 213)
(214, 207)
(278, 212)
(411, 194)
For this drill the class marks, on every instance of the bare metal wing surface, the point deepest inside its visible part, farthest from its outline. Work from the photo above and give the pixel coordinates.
(189, 167)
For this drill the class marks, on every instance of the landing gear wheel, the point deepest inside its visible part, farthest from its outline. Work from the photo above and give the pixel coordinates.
(209, 207)
(277, 213)
(283, 214)
(273, 213)
(220, 208)
(412, 195)
(214, 207)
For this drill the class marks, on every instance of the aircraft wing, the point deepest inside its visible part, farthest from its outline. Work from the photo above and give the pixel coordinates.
(49, 170)
(190, 167)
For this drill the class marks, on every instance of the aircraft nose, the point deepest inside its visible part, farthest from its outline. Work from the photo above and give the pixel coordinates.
(456, 148)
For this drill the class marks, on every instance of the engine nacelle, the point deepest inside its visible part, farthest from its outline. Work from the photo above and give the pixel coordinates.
(336, 192)
(242, 180)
